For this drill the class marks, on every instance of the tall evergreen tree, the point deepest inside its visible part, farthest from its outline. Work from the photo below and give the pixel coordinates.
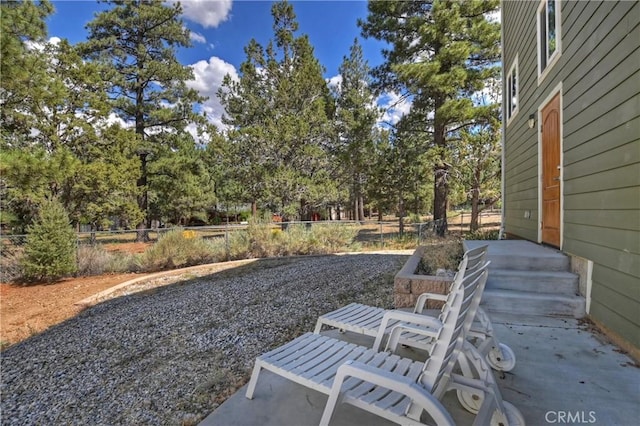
(278, 112)
(477, 167)
(441, 52)
(55, 143)
(22, 68)
(356, 116)
(182, 187)
(136, 42)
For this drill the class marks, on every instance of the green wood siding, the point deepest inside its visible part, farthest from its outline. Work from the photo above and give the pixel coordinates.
(599, 73)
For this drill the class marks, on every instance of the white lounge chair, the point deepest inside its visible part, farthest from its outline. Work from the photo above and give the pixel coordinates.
(392, 387)
(368, 320)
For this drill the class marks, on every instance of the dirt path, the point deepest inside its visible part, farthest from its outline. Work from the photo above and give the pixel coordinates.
(27, 310)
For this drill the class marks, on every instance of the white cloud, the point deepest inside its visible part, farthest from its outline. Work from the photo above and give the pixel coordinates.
(197, 37)
(494, 16)
(114, 118)
(206, 12)
(39, 46)
(335, 82)
(490, 93)
(207, 80)
(394, 106)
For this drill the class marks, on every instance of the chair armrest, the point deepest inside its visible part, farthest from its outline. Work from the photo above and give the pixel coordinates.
(388, 380)
(410, 317)
(424, 297)
(396, 333)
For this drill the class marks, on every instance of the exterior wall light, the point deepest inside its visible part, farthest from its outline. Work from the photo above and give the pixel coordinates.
(531, 121)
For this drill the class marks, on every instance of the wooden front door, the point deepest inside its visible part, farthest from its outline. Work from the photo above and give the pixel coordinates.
(550, 129)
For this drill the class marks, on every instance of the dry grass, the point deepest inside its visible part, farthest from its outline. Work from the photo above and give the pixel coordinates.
(441, 254)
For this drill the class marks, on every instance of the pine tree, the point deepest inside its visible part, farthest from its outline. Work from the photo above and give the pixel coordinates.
(442, 51)
(355, 118)
(55, 143)
(23, 73)
(136, 42)
(183, 163)
(50, 250)
(278, 112)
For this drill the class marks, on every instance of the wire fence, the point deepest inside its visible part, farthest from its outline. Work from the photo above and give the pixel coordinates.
(369, 234)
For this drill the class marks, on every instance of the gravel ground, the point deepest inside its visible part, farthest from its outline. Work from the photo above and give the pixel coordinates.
(171, 355)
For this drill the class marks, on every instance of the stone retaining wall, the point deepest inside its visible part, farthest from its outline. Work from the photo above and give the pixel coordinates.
(407, 285)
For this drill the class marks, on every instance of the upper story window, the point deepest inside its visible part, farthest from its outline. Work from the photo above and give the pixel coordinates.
(548, 34)
(512, 91)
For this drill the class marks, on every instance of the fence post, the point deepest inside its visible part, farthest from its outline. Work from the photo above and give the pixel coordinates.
(226, 241)
(381, 237)
(77, 252)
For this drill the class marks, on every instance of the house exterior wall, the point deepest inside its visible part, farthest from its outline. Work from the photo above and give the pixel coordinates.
(598, 77)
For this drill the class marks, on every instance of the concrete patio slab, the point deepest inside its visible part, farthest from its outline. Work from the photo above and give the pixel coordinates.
(566, 373)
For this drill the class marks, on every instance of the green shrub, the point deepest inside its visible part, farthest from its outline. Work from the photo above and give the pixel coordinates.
(95, 260)
(331, 238)
(92, 260)
(50, 250)
(176, 249)
(297, 240)
(237, 246)
(123, 262)
(244, 215)
(263, 239)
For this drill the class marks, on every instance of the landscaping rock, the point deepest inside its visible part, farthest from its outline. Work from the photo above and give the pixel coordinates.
(170, 355)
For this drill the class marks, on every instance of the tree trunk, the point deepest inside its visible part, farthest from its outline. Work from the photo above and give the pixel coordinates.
(361, 208)
(355, 207)
(142, 235)
(401, 213)
(475, 201)
(254, 209)
(441, 171)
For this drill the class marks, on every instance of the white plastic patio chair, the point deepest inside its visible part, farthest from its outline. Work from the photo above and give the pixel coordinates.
(398, 389)
(368, 320)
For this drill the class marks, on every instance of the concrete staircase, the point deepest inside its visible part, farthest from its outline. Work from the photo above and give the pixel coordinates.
(529, 279)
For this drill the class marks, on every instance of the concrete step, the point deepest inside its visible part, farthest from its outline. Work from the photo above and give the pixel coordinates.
(556, 262)
(530, 303)
(522, 255)
(564, 283)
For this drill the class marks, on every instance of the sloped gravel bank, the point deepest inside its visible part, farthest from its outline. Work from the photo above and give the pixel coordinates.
(170, 355)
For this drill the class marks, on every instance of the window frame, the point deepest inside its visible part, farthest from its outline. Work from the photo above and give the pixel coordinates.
(543, 38)
(512, 110)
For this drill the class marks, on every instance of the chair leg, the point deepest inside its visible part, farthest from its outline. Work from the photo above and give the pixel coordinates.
(335, 395)
(254, 379)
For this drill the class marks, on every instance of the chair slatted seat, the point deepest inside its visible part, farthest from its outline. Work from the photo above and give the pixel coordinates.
(367, 320)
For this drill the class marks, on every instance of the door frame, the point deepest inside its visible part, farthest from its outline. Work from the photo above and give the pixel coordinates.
(555, 91)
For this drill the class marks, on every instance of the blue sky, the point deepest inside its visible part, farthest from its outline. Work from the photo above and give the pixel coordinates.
(222, 28)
